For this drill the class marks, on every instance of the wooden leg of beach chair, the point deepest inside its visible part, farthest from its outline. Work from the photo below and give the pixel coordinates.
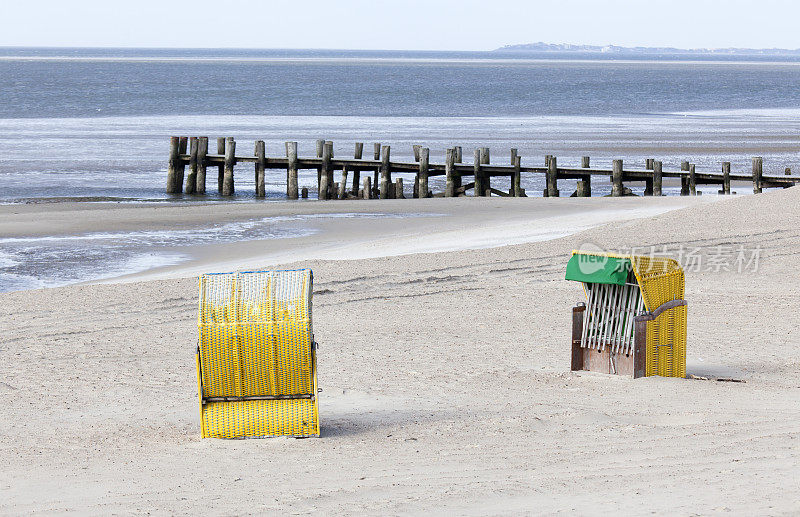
(577, 331)
(203, 433)
(640, 347)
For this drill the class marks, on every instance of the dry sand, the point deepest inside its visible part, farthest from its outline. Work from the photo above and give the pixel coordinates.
(446, 383)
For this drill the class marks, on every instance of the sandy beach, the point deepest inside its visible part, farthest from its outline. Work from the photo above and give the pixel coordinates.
(444, 364)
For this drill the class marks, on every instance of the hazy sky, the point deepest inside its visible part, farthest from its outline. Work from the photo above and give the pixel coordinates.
(413, 24)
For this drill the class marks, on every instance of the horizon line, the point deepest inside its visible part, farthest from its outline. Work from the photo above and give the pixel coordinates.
(509, 47)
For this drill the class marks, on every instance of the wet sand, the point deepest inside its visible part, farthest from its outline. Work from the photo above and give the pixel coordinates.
(332, 231)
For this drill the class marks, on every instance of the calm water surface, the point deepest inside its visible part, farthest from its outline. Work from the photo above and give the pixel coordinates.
(82, 122)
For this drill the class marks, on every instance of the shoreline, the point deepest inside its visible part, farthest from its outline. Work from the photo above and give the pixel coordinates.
(671, 188)
(192, 239)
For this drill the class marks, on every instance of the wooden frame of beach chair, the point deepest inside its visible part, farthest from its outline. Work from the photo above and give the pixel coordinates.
(256, 355)
(634, 319)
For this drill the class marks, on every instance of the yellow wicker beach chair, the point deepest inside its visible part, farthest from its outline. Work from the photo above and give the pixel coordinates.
(634, 319)
(256, 355)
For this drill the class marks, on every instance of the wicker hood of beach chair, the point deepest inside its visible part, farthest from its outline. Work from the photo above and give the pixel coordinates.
(634, 319)
(256, 355)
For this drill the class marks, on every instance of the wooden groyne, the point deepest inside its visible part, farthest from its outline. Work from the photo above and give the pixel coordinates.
(386, 180)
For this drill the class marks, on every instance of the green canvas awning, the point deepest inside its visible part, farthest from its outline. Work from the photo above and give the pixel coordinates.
(598, 269)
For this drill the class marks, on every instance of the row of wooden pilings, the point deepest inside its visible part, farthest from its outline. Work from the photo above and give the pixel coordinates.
(381, 185)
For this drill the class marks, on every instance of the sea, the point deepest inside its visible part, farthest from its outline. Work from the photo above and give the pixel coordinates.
(93, 125)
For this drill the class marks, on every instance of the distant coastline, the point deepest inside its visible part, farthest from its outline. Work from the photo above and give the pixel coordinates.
(614, 49)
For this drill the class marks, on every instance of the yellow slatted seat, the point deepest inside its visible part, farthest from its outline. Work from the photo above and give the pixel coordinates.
(661, 281)
(256, 356)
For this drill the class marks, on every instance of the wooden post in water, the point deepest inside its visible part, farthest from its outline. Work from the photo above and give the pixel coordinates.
(342, 194)
(424, 157)
(516, 185)
(476, 168)
(486, 179)
(367, 188)
(230, 161)
(516, 175)
(357, 153)
(657, 178)
(291, 170)
(331, 190)
(649, 163)
(726, 178)
(616, 179)
(584, 187)
(191, 179)
(386, 175)
(320, 147)
(692, 181)
(286, 151)
(182, 142)
(552, 177)
(173, 186)
(304, 193)
(398, 189)
(513, 154)
(202, 151)
(260, 168)
(449, 173)
(685, 179)
(416, 148)
(547, 157)
(325, 172)
(220, 168)
(458, 155)
(376, 155)
(758, 171)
